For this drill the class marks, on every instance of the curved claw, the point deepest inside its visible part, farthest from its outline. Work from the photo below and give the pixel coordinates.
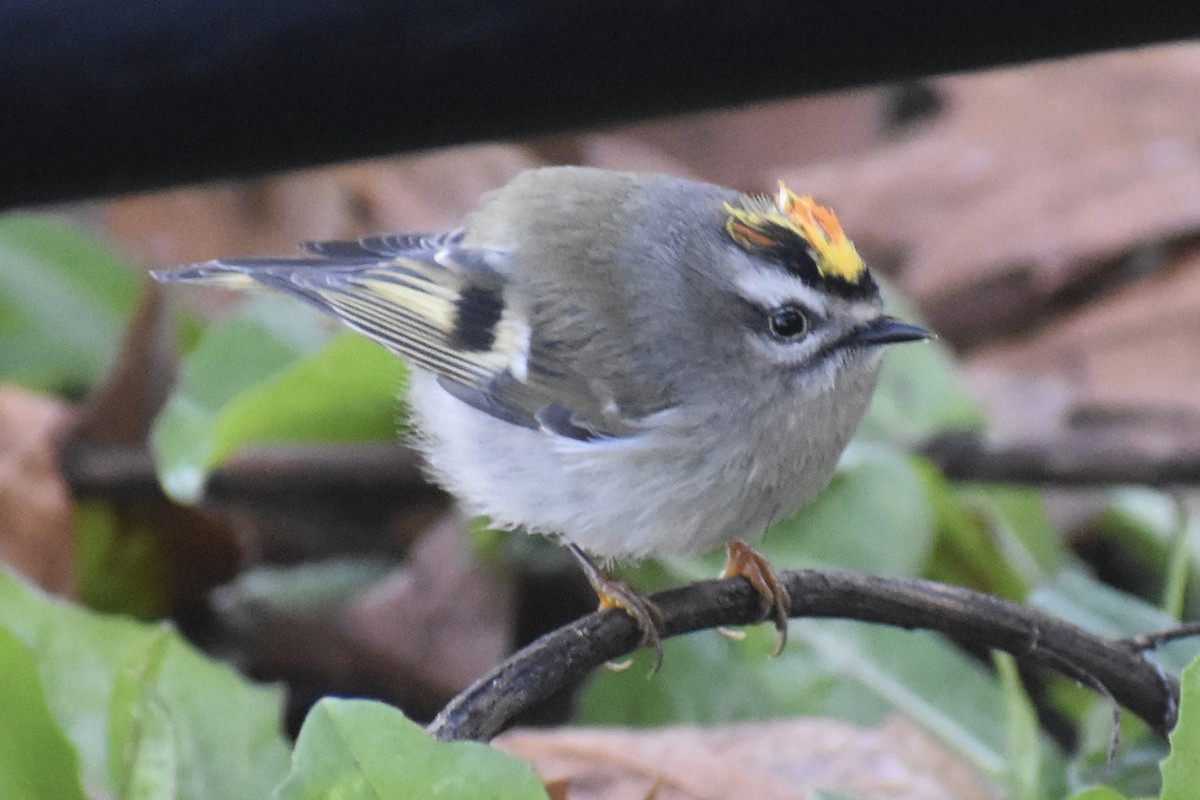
(744, 561)
(618, 594)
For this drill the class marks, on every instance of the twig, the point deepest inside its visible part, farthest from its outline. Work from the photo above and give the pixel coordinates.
(394, 471)
(385, 470)
(564, 657)
(1069, 461)
(1149, 641)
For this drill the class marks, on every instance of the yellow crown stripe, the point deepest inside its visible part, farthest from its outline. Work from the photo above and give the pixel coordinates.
(834, 253)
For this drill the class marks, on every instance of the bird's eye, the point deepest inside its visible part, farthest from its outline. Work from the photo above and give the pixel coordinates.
(788, 322)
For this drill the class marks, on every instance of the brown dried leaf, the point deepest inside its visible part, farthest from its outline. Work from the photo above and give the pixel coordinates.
(1135, 349)
(122, 408)
(779, 760)
(144, 555)
(1032, 181)
(269, 216)
(444, 618)
(746, 148)
(35, 503)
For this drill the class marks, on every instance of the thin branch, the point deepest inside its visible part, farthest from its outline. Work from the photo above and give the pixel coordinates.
(1149, 641)
(1078, 460)
(351, 472)
(394, 471)
(564, 657)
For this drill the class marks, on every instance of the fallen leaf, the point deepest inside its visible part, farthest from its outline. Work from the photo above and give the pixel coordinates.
(35, 503)
(776, 760)
(445, 617)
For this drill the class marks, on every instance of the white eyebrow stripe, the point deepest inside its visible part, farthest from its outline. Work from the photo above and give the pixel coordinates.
(770, 288)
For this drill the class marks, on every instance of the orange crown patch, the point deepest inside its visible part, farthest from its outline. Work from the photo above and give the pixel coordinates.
(776, 226)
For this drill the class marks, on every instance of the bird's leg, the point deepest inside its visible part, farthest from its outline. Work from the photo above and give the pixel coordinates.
(743, 560)
(618, 594)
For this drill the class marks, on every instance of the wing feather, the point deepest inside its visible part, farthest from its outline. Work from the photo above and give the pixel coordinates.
(445, 308)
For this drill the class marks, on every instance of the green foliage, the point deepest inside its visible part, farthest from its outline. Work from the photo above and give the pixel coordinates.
(98, 706)
(1157, 546)
(1181, 769)
(64, 299)
(36, 760)
(994, 539)
(270, 375)
(141, 708)
(919, 396)
(120, 561)
(352, 749)
(876, 492)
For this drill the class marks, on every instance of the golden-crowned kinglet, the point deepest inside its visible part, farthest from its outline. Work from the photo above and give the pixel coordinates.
(637, 364)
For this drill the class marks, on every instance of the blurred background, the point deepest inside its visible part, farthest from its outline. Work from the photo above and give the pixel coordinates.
(1044, 220)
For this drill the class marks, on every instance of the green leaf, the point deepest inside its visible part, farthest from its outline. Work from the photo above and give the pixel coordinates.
(1135, 770)
(1099, 793)
(63, 302)
(1157, 545)
(1023, 768)
(873, 516)
(919, 393)
(263, 378)
(350, 749)
(306, 589)
(142, 754)
(991, 538)
(1097, 607)
(693, 684)
(1181, 769)
(226, 732)
(921, 676)
(830, 794)
(36, 760)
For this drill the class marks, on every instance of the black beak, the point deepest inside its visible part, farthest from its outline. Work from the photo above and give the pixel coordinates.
(888, 330)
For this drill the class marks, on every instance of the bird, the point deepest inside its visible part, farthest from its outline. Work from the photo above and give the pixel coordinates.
(636, 365)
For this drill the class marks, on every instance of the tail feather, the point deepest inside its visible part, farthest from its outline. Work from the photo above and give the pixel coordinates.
(413, 306)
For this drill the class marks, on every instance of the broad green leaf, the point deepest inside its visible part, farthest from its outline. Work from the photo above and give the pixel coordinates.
(264, 377)
(1135, 769)
(995, 539)
(873, 517)
(919, 393)
(1019, 520)
(63, 302)
(967, 551)
(1181, 769)
(36, 760)
(1024, 771)
(308, 589)
(352, 749)
(922, 677)
(1156, 544)
(142, 754)
(1099, 793)
(1099, 608)
(694, 686)
(226, 732)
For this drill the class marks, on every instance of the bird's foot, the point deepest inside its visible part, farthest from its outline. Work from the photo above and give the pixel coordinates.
(614, 593)
(744, 561)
